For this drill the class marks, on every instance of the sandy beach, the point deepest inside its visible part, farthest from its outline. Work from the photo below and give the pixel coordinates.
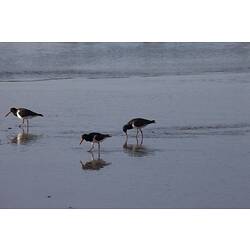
(195, 156)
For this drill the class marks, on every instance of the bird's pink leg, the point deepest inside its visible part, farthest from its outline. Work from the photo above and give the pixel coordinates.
(137, 133)
(21, 124)
(91, 147)
(141, 136)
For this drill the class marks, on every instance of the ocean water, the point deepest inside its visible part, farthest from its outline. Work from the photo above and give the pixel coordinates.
(42, 61)
(195, 156)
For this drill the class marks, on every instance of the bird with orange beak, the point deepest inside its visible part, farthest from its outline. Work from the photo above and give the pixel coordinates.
(23, 114)
(94, 138)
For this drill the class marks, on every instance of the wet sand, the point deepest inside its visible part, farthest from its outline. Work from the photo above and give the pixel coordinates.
(195, 156)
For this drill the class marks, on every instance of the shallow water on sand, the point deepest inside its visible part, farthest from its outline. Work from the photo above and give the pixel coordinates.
(195, 156)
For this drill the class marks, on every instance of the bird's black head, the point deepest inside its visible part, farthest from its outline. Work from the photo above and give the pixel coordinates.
(83, 137)
(126, 127)
(13, 111)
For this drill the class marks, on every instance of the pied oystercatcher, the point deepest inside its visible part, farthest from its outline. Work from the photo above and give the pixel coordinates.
(23, 114)
(138, 124)
(94, 138)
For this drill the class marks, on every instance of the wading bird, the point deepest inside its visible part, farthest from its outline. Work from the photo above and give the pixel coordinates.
(94, 138)
(23, 114)
(138, 124)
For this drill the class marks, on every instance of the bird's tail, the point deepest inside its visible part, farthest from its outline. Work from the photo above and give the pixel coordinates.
(107, 135)
(40, 115)
(153, 121)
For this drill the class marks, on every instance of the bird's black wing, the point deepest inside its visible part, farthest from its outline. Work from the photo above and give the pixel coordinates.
(91, 136)
(139, 122)
(100, 137)
(131, 122)
(26, 112)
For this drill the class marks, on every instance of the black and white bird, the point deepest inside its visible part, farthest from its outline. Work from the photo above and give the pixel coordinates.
(138, 124)
(23, 114)
(94, 138)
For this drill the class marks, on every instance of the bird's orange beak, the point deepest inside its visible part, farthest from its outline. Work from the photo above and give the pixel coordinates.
(7, 114)
(81, 141)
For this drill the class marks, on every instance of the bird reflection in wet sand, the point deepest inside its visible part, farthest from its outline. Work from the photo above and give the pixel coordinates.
(136, 150)
(94, 164)
(24, 137)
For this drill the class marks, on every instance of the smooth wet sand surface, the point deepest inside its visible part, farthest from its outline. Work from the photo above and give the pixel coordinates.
(196, 155)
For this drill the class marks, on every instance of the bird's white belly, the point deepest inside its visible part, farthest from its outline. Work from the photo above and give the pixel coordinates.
(20, 117)
(26, 117)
